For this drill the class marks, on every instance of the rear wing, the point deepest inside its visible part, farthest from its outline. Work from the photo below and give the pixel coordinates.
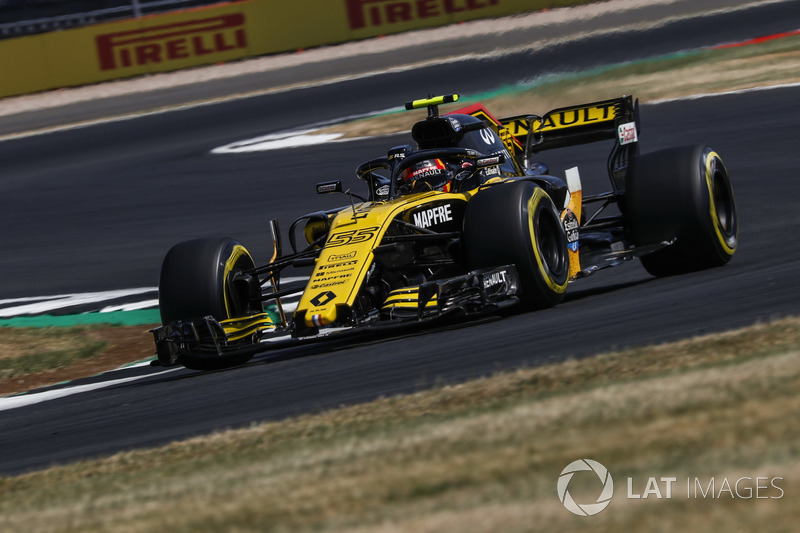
(526, 135)
(617, 119)
(580, 124)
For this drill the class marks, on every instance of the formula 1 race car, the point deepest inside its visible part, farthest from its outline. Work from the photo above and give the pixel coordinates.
(466, 223)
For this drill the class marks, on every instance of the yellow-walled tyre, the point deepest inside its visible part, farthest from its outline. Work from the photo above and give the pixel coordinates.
(203, 277)
(684, 194)
(206, 277)
(517, 223)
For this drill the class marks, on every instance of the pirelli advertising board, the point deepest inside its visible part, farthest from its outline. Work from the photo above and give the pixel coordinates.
(220, 33)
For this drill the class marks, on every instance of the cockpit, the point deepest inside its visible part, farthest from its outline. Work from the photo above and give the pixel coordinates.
(462, 131)
(454, 153)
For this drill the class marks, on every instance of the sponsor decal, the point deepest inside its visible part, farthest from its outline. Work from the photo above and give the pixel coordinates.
(383, 190)
(334, 274)
(495, 278)
(426, 173)
(567, 118)
(328, 187)
(433, 216)
(376, 13)
(571, 227)
(331, 276)
(491, 172)
(323, 298)
(341, 257)
(331, 281)
(488, 136)
(170, 42)
(512, 144)
(627, 133)
(424, 170)
(338, 265)
(488, 161)
(328, 284)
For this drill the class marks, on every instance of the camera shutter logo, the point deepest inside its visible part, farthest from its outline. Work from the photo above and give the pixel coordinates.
(586, 509)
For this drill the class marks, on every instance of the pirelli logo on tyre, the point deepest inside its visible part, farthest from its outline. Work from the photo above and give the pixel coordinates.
(170, 42)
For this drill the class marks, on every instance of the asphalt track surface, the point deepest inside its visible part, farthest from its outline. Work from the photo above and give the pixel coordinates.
(96, 208)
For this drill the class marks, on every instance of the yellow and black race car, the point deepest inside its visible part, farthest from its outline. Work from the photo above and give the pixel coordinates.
(466, 222)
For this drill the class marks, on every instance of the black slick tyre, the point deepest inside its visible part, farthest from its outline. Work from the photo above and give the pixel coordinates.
(684, 194)
(204, 277)
(517, 223)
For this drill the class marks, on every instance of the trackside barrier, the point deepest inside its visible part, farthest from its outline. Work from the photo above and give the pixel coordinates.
(221, 33)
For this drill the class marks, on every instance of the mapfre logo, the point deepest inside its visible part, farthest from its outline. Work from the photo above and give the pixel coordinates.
(170, 42)
(371, 13)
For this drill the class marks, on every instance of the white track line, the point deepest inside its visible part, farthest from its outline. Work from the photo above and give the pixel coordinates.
(726, 93)
(38, 305)
(43, 304)
(15, 402)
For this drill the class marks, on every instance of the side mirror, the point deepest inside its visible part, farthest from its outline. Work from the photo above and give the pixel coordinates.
(329, 187)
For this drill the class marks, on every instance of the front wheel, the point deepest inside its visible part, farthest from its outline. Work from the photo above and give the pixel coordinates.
(206, 277)
(683, 194)
(517, 223)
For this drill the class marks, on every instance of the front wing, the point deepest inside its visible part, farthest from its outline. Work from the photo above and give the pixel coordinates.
(475, 293)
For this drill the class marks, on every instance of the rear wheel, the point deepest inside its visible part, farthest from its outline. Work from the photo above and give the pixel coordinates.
(517, 223)
(206, 277)
(684, 194)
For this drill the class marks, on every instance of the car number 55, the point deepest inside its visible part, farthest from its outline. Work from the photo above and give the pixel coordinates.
(351, 237)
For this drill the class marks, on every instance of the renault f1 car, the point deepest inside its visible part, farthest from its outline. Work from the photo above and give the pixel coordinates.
(467, 222)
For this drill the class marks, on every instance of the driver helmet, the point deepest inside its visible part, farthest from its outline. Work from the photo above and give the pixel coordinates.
(431, 174)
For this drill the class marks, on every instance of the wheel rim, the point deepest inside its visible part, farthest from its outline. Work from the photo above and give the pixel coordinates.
(236, 301)
(549, 239)
(723, 203)
(236, 297)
